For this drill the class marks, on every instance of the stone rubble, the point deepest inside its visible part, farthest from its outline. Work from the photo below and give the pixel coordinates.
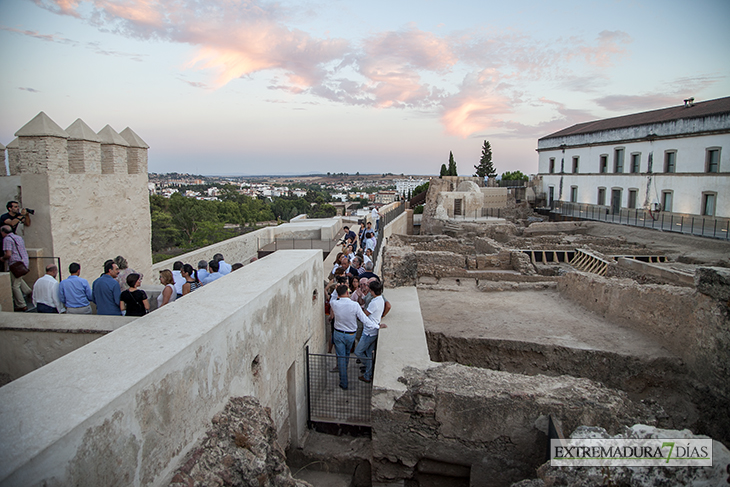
(239, 450)
(714, 476)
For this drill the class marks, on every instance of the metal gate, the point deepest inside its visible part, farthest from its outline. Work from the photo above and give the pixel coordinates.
(328, 403)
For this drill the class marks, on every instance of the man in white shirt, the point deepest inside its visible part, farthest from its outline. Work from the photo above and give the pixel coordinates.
(346, 312)
(375, 215)
(224, 267)
(178, 278)
(45, 292)
(377, 308)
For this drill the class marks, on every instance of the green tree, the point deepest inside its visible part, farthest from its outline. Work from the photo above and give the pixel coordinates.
(187, 213)
(485, 167)
(514, 176)
(420, 189)
(322, 211)
(444, 171)
(452, 165)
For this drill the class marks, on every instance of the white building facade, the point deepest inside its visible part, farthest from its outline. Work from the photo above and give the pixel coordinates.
(403, 186)
(674, 160)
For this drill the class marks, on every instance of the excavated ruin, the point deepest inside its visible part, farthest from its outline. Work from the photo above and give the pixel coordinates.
(526, 342)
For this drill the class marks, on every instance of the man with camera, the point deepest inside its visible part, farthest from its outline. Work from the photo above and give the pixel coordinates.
(15, 216)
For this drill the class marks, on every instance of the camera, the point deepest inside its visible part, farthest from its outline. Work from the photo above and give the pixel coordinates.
(31, 212)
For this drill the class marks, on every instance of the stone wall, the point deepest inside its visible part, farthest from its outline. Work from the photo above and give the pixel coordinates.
(489, 427)
(407, 258)
(494, 423)
(30, 341)
(242, 248)
(140, 397)
(691, 325)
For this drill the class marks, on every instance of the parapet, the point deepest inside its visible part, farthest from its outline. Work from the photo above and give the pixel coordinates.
(42, 147)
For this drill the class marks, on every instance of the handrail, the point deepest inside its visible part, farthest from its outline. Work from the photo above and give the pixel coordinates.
(698, 225)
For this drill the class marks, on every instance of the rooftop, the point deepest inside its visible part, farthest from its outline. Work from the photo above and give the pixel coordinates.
(687, 111)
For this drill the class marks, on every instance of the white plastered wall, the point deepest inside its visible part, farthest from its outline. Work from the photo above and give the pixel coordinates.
(128, 406)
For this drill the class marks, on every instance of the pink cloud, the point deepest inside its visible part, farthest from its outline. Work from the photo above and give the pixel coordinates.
(235, 38)
(610, 46)
(63, 7)
(392, 62)
(477, 106)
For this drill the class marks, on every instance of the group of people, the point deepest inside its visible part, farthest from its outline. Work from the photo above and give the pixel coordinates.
(355, 305)
(118, 290)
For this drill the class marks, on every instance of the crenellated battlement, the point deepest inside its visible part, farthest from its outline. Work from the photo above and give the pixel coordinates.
(88, 190)
(43, 147)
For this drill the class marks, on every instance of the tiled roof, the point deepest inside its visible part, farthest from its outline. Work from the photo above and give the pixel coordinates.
(697, 110)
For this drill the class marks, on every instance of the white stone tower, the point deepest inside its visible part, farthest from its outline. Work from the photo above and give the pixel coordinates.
(89, 193)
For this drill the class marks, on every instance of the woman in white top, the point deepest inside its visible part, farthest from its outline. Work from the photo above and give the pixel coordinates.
(168, 294)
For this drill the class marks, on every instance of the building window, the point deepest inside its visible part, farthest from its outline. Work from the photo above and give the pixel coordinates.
(574, 194)
(602, 196)
(708, 203)
(618, 160)
(667, 200)
(632, 198)
(604, 164)
(670, 161)
(616, 200)
(636, 162)
(713, 160)
(552, 165)
(575, 164)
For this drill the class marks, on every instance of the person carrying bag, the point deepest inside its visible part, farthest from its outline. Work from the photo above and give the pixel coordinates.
(16, 255)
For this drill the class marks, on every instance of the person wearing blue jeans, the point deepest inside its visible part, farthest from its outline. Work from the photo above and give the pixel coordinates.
(346, 312)
(366, 346)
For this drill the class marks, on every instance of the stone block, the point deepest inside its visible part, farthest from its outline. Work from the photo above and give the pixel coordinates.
(485, 419)
(521, 263)
(439, 263)
(240, 448)
(714, 475)
(43, 155)
(84, 157)
(113, 159)
(714, 282)
(548, 228)
(485, 245)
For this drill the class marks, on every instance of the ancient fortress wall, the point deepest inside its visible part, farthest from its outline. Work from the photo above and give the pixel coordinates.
(690, 324)
(30, 340)
(242, 248)
(89, 191)
(127, 407)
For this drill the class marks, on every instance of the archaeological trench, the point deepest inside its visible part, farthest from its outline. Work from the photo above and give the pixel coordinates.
(584, 324)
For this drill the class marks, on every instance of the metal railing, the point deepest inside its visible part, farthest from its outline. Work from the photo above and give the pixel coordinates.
(419, 199)
(386, 220)
(702, 226)
(327, 402)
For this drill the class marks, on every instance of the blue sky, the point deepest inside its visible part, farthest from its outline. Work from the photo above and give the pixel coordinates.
(252, 87)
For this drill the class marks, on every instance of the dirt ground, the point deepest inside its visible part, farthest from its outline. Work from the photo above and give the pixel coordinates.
(691, 249)
(542, 317)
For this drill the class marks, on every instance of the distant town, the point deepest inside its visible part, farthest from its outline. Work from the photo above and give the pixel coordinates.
(373, 188)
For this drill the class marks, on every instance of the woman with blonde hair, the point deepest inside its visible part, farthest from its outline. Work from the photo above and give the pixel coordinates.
(168, 294)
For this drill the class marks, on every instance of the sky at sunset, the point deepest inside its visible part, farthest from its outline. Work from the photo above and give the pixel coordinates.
(254, 87)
